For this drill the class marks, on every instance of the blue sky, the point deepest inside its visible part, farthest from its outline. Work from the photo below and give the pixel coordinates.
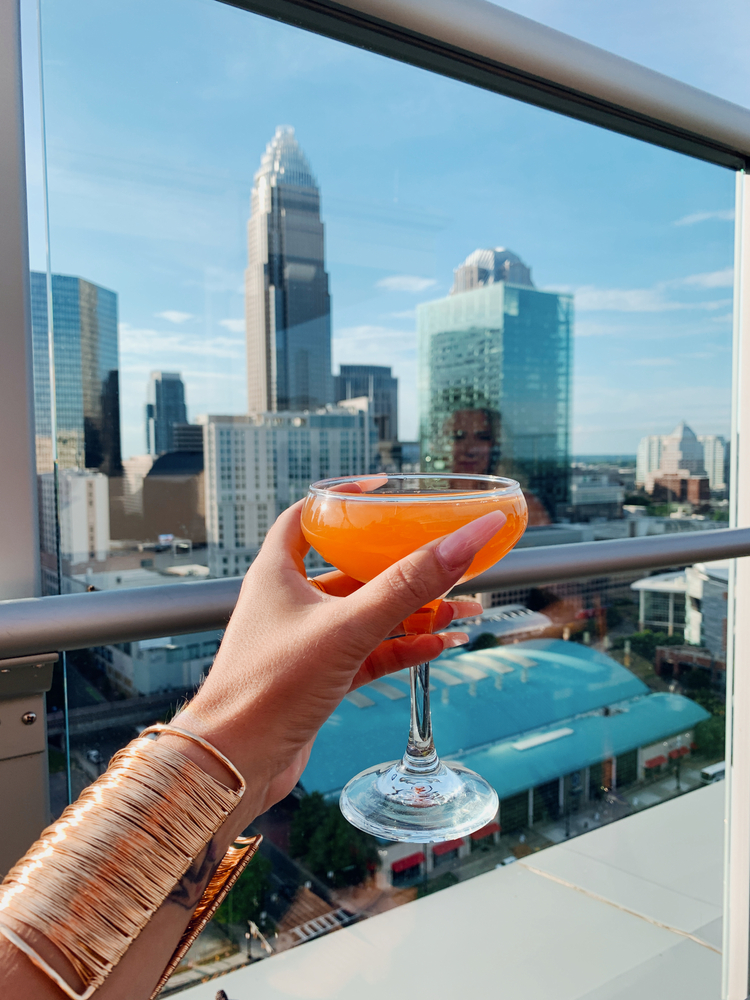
(157, 115)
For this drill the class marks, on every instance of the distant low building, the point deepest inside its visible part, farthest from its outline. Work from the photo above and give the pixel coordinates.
(511, 622)
(171, 663)
(661, 602)
(674, 462)
(548, 723)
(593, 495)
(678, 663)
(681, 475)
(707, 606)
(665, 488)
(398, 456)
(173, 498)
(187, 437)
(690, 603)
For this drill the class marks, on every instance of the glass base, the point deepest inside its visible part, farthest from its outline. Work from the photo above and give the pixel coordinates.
(394, 802)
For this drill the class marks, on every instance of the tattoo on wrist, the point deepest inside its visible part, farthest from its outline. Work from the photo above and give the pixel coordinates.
(188, 891)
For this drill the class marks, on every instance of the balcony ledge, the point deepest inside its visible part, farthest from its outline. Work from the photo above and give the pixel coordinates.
(631, 909)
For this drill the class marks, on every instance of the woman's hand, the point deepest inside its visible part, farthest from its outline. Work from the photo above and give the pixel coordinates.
(290, 654)
(291, 651)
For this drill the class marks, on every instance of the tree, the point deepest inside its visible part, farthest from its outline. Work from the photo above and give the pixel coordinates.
(328, 845)
(485, 640)
(645, 643)
(312, 813)
(709, 736)
(245, 900)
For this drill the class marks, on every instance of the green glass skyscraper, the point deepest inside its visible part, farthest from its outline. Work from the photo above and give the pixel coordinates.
(494, 377)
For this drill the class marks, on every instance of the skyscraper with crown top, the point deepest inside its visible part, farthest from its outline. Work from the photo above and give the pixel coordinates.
(287, 304)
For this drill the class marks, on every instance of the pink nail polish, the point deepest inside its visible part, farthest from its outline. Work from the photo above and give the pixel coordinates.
(451, 639)
(458, 548)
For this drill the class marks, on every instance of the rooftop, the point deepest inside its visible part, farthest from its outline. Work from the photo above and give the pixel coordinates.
(665, 583)
(284, 162)
(483, 701)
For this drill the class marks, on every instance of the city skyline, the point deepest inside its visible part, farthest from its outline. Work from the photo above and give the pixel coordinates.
(642, 237)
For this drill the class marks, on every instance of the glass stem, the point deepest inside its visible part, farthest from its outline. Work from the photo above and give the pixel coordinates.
(421, 756)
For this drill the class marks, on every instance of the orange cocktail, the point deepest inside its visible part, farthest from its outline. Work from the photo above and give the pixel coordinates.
(364, 534)
(363, 525)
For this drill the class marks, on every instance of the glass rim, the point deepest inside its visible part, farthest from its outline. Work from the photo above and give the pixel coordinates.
(505, 487)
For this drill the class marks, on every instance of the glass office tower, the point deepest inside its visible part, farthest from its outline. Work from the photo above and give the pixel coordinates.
(165, 408)
(287, 305)
(381, 388)
(494, 381)
(86, 374)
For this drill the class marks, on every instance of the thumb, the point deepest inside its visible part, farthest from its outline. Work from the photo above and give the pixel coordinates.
(420, 577)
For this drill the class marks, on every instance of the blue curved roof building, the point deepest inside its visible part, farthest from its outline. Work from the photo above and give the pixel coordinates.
(521, 715)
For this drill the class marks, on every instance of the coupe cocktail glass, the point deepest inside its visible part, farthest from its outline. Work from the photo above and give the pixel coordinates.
(418, 798)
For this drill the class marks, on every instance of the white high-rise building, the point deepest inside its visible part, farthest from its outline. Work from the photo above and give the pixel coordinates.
(83, 511)
(258, 465)
(648, 459)
(682, 452)
(715, 459)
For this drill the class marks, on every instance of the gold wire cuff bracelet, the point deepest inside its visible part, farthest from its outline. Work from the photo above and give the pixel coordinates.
(95, 878)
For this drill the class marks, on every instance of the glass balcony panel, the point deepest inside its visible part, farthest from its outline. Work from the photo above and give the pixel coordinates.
(275, 259)
(577, 716)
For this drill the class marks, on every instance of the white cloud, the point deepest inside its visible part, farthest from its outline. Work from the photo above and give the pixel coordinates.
(233, 325)
(164, 348)
(658, 298)
(653, 362)
(405, 283)
(588, 298)
(174, 316)
(724, 214)
(710, 279)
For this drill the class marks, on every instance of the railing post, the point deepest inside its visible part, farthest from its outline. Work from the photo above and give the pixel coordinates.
(23, 754)
(24, 792)
(19, 544)
(736, 961)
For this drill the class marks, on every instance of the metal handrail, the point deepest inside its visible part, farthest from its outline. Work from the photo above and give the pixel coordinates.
(76, 621)
(487, 46)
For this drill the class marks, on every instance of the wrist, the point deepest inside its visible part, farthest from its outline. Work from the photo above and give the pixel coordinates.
(219, 736)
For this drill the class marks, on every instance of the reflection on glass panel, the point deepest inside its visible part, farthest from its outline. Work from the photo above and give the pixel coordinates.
(495, 369)
(269, 268)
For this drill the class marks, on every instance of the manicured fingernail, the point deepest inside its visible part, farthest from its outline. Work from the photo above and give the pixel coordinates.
(458, 548)
(465, 609)
(451, 639)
